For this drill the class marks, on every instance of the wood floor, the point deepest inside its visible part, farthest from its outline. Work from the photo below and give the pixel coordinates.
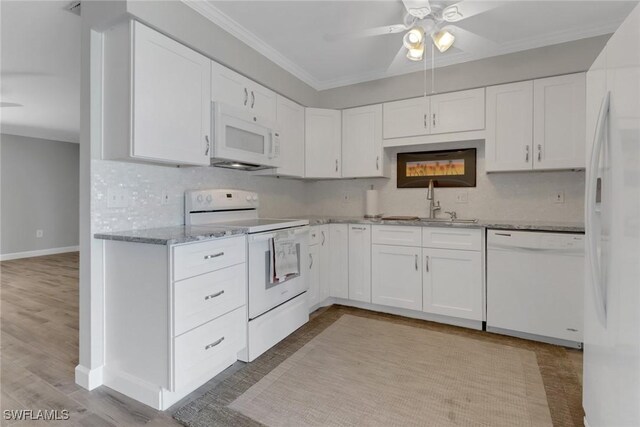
(39, 350)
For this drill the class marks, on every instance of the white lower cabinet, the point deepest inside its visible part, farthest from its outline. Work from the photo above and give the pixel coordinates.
(452, 283)
(360, 262)
(338, 260)
(194, 322)
(319, 270)
(396, 276)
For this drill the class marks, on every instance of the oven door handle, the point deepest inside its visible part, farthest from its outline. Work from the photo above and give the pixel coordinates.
(267, 236)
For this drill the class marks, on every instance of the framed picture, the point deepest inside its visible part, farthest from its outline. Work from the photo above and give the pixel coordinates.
(449, 168)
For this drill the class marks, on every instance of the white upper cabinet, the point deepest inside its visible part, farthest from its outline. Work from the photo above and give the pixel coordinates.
(362, 152)
(453, 112)
(323, 143)
(559, 122)
(291, 127)
(231, 88)
(457, 111)
(155, 99)
(509, 127)
(409, 117)
(536, 125)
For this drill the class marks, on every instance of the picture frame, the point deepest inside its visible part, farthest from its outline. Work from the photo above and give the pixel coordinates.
(446, 168)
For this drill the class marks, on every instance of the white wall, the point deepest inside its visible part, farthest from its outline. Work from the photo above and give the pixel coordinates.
(497, 196)
(39, 192)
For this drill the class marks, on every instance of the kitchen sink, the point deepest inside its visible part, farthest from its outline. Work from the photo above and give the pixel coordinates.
(444, 220)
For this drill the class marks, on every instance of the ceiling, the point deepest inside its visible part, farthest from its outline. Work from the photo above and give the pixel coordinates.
(293, 34)
(40, 69)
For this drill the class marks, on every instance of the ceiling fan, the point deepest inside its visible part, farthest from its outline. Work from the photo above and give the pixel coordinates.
(424, 20)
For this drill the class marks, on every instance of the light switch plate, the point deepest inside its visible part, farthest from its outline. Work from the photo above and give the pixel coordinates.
(117, 198)
(462, 197)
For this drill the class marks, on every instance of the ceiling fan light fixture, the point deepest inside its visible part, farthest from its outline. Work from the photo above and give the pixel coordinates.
(452, 14)
(414, 38)
(443, 40)
(416, 54)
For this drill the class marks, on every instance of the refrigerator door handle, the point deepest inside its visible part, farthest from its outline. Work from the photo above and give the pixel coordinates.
(592, 181)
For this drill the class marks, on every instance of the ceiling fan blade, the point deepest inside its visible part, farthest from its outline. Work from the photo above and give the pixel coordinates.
(398, 61)
(467, 9)
(418, 8)
(470, 42)
(369, 32)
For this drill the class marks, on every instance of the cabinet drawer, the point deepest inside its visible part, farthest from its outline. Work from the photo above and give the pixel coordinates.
(200, 299)
(210, 348)
(199, 258)
(447, 238)
(396, 235)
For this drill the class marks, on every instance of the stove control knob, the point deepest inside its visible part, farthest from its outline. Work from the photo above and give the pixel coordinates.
(248, 198)
(209, 198)
(255, 198)
(199, 198)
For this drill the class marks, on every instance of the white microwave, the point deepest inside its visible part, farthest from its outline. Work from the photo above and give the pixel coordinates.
(242, 140)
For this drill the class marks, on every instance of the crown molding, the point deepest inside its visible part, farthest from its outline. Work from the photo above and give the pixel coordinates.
(228, 24)
(215, 15)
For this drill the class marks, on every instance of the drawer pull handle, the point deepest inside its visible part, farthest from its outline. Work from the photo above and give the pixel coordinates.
(503, 234)
(416, 262)
(219, 254)
(216, 295)
(213, 344)
(323, 237)
(358, 228)
(426, 263)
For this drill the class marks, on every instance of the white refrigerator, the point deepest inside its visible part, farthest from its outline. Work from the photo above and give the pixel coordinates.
(611, 395)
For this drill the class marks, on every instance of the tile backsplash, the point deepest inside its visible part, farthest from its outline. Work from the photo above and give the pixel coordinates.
(497, 196)
(145, 185)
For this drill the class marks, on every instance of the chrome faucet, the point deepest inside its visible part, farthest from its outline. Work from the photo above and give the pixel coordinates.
(433, 207)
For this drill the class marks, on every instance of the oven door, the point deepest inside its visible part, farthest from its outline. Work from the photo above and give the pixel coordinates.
(242, 137)
(263, 294)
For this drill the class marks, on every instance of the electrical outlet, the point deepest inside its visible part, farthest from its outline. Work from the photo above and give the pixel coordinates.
(462, 197)
(39, 234)
(164, 198)
(117, 198)
(346, 197)
(558, 196)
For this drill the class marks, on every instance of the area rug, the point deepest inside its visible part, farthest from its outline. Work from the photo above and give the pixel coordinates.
(361, 371)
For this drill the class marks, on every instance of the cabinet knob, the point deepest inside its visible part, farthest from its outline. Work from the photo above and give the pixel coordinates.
(434, 119)
(526, 155)
(336, 165)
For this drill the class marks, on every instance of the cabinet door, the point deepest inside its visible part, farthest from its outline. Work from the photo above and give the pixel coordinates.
(228, 87)
(396, 276)
(409, 117)
(291, 128)
(452, 283)
(559, 107)
(509, 140)
(313, 294)
(324, 262)
(323, 140)
(262, 102)
(362, 152)
(457, 111)
(171, 90)
(360, 263)
(339, 260)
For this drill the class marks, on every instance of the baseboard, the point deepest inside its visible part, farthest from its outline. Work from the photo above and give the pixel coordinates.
(89, 378)
(465, 323)
(135, 388)
(39, 252)
(533, 337)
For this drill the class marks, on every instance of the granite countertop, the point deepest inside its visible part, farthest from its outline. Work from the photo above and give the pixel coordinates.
(184, 234)
(173, 235)
(572, 227)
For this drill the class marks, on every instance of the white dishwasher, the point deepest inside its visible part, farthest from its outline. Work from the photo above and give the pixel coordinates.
(535, 285)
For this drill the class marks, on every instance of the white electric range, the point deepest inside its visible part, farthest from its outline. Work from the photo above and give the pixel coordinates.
(275, 309)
